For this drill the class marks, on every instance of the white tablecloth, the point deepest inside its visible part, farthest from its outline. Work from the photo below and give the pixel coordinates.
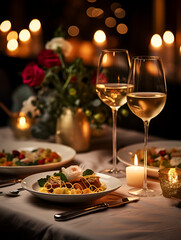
(28, 217)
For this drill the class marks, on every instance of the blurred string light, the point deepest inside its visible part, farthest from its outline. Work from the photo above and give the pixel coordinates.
(73, 31)
(99, 36)
(156, 41)
(110, 22)
(5, 26)
(122, 28)
(115, 5)
(91, 1)
(12, 45)
(35, 25)
(168, 37)
(24, 35)
(119, 12)
(93, 12)
(12, 35)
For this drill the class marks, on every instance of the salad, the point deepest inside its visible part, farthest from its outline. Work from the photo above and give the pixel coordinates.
(37, 156)
(160, 157)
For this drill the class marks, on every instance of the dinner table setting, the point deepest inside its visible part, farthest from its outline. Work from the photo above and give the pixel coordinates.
(66, 173)
(26, 214)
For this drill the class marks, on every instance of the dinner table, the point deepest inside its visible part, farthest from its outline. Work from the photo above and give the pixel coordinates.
(26, 216)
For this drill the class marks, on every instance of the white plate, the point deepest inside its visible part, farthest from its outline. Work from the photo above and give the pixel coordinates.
(124, 154)
(30, 183)
(67, 154)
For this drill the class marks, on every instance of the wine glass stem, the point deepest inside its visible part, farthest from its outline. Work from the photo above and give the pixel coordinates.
(146, 126)
(114, 136)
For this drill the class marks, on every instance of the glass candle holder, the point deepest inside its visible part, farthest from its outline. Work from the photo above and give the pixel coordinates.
(21, 126)
(170, 182)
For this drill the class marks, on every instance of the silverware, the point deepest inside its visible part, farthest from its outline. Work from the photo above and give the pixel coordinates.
(5, 183)
(99, 207)
(13, 193)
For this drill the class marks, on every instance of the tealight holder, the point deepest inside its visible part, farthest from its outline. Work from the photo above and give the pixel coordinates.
(21, 126)
(170, 182)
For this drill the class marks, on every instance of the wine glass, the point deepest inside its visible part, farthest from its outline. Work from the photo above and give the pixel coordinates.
(146, 99)
(111, 87)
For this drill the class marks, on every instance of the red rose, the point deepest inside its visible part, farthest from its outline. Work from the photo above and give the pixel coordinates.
(33, 75)
(48, 58)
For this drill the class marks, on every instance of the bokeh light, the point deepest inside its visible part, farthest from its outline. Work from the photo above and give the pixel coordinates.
(156, 40)
(99, 36)
(5, 26)
(110, 22)
(122, 28)
(73, 31)
(24, 35)
(168, 37)
(12, 35)
(94, 12)
(119, 13)
(115, 5)
(12, 45)
(35, 25)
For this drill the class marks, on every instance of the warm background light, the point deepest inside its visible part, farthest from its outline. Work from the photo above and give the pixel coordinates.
(119, 12)
(12, 45)
(5, 26)
(156, 41)
(122, 28)
(168, 37)
(24, 35)
(99, 36)
(12, 35)
(73, 31)
(35, 25)
(110, 22)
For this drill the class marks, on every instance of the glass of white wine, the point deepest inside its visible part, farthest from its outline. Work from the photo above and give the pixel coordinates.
(146, 99)
(111, 87)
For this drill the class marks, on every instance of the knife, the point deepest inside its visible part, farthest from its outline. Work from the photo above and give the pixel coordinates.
(5, 183)
(99, 207)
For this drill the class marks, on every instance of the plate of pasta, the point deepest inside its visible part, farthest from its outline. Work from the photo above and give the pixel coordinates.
(70, 185)
(28, 157)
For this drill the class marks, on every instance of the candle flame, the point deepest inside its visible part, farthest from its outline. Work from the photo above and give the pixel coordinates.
(135, 160)
(22, 122)
(172, 175)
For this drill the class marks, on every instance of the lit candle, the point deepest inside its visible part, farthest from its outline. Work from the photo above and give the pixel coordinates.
(172, 175)
(22, 123)
(170, 181)
(155, 46)
(135, 174)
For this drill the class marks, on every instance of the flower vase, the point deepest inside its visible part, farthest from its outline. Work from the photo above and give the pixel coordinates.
(73, 129)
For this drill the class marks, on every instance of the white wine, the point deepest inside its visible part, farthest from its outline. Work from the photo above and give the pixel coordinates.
(112, 94)
(146, 105)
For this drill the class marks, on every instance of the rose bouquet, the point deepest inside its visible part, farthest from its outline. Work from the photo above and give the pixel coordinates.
(60, 85)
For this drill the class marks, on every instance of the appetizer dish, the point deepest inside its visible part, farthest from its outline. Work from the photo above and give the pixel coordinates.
(160, 157)
(38, 156)
(71, 180)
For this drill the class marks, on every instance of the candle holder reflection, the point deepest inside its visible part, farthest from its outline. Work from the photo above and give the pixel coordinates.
(21, 126)
(170, 182)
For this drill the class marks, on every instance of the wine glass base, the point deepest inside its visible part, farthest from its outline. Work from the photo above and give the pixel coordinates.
(144, 192)
(114, 172)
